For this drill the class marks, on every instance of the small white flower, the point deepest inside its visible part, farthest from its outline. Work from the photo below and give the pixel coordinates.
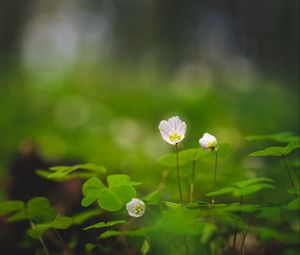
(208, 142)
(173, 130)
(136, 208)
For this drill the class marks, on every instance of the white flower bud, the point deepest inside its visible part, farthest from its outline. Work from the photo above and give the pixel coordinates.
(136, 208)
(208, 142)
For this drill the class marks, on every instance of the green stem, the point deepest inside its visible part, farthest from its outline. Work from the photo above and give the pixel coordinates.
(215, 176)
(41, 240)
(244, 239)
(193, 180)
(288, 171)
(178, 176)
(237, 225)
(61, 241)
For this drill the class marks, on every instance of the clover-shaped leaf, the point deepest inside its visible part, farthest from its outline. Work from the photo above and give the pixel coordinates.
(279, 150)
(61, 173)
(58, 223)
(245, 187)
(278, 137)
(120, 190)
(105, 224)
(189, 155)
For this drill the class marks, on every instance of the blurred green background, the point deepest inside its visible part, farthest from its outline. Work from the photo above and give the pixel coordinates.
(90, 81)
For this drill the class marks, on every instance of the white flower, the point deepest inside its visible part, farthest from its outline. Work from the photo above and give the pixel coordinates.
(173, 130)
(208, 142)
(136, 208)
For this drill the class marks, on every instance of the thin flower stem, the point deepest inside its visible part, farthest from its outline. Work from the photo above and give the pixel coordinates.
(61, 241)
(215, 176)
(178, 176)
(192, 181)
(237, 225)
(244, 239)
(41, 240)
(288, 171)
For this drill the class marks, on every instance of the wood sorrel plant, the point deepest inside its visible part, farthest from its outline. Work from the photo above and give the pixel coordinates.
(160, 225)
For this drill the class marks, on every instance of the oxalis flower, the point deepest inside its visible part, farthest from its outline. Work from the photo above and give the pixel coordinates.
(173, 130)
(208, 142)
(136, 208)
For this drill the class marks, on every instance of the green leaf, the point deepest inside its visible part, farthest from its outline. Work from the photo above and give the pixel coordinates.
(91, 190)
(245, 183)
(113, 198)
(62, 222)
(80, 218)
(245, 187)
(278, 151)
(120, 180)
(39, 230)
(120, 191)
(145, 246)
(172, 204)
(92, 167)
(278, 137)
(185, 157)
(295, 190)
(294, 204)
(252, 189)
(111, 233)
(40, 210)
(236, 207)
(189, 155)
(89, 247)
(105, 224)
(60, 168)
(221, 191)
(11, 206)
(59, 223)
(19, 216)
(60, 172)
(153, 198)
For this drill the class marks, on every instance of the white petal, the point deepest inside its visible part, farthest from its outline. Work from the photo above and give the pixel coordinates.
(208, 141)
(174, 122)
(181, 129)
(135, 204)
(164, 128)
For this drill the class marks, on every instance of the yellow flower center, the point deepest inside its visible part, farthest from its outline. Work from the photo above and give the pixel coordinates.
(138, 208)
(174, 137)
(212, 145)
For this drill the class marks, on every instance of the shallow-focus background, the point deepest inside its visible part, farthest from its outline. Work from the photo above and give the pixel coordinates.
(89, 81)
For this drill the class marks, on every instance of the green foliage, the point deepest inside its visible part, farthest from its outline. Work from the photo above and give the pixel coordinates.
(58, 223)
(278, 137)
(180, 221)
(11, 206)
(145, 246)
(278, 151)
(38, 212)
(120, 191)
(153, 198)
(268, 233)
(189, 155)
(82, 217)
(294, 204)
(105, 224)
(244, 188)
(62, 173)
(295, 190)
